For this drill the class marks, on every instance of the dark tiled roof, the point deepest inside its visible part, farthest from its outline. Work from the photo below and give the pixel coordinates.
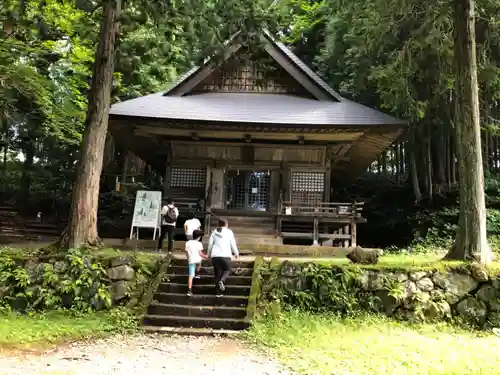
(253, 108)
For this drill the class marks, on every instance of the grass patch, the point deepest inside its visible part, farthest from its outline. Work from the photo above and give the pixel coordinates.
(40, 331)
(325, 344)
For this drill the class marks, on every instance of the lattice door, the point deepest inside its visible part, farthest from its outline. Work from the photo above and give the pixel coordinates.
(308, 188)
(247, 190)
(258, 191)
(188, 178)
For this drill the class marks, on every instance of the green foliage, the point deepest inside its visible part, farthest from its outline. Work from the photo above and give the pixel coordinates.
(77, 282)
(318, 288)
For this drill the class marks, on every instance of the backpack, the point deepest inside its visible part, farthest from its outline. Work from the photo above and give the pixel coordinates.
(170, 216)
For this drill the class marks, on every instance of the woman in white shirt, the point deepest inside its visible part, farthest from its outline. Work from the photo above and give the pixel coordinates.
(190, 225)
(221, 248)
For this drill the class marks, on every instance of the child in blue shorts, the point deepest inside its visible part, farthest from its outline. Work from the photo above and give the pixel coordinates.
(194, 250)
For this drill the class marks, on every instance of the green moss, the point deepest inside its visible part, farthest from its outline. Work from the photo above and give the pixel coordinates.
(254, 289)
(407, 263)
(152, 286)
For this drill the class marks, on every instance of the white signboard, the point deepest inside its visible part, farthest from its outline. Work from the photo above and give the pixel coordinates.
(146, 211)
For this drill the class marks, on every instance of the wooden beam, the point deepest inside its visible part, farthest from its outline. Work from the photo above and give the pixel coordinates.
(261, 135)
(191, 82)
(304, 81)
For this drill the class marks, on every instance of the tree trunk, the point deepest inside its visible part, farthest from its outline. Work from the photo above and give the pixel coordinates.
(471, 242)
(125, 167)
(413, 171)
(29, 155)
(430, 180)
(82, 225)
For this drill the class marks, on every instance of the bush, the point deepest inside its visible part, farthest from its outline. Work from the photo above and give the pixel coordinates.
(76, 281)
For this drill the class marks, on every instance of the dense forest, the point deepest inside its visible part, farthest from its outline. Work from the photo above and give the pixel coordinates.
(394, 55)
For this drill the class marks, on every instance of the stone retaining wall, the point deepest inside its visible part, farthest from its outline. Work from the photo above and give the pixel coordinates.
(467, 293)
(62, 280)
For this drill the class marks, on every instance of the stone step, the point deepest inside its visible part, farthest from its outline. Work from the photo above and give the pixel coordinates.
(236, 271)
(194, 322)
(197, 311)
(201, 299)
(184, 331)
(42, 226)
(208, 289)
(8, 230)
(41, 232)
(209, 279)
(208, 263)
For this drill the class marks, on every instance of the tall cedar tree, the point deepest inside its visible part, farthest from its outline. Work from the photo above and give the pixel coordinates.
(82, 226)
(471, 242)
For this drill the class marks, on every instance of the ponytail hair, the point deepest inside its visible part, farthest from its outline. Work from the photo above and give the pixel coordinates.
(222, 224)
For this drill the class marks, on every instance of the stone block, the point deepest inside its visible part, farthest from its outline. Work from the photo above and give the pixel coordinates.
(417, 275)
(122, 260)
(472, 310)
(456, 285)
(487, 293)
(289, 269)
(479, 272)
(121, 273)
(425, 284)
(120, 290)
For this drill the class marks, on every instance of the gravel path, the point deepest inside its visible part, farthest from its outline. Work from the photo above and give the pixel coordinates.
(145, 354)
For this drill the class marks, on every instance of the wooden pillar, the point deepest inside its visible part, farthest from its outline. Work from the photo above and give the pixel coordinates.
(274, 190)
(279, 221)
(315, 231)
(208, 187)
(217, 188)
(346, 231)
(166, 182)
(353, 234)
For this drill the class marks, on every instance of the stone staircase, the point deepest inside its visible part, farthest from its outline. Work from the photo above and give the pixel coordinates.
(13, 227)
(172, 308)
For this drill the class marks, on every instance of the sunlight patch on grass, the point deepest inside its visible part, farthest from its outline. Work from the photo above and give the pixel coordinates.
(313, 344)
(45, 330)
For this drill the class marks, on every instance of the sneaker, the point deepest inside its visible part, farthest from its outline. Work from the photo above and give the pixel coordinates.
(197, 277)
(219, 294)
(189, 293)
(221, 286)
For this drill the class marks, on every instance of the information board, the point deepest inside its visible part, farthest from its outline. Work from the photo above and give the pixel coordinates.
(146, 211)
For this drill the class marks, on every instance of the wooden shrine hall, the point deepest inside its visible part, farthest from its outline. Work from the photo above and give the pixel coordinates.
(259, 140)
